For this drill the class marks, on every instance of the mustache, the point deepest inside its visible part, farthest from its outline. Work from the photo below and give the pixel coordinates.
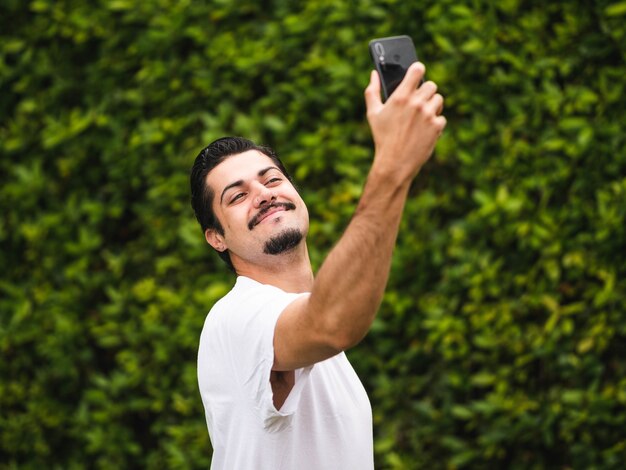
(288, 206)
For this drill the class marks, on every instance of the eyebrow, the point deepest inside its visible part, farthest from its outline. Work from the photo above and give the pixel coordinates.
(240, 182)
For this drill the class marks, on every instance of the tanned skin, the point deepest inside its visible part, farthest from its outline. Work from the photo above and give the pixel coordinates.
(347, 291)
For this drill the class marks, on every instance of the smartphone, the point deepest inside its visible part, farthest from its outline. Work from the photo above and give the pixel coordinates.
(392, 57)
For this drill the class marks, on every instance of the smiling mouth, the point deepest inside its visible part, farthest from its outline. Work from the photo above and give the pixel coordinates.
(287, 206)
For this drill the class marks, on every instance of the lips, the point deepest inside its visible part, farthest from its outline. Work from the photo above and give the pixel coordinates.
(269, 210)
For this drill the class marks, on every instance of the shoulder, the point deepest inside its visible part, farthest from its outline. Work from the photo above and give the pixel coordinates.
(248, 302)
(248, 294)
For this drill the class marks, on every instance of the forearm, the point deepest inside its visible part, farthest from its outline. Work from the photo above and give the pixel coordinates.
(350, 284)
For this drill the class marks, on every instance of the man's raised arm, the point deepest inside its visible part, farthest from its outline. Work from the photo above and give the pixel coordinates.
(349, 287)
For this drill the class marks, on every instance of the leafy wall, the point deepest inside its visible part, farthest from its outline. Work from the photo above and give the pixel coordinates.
(502, 335)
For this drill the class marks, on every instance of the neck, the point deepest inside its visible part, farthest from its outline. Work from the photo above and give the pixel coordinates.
(289, 271)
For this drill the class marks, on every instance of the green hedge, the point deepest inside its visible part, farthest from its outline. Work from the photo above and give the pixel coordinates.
(502, 335)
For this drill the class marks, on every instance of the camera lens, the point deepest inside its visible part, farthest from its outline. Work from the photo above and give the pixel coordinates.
(380, 50)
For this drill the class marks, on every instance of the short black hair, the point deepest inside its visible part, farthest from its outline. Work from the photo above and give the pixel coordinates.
(202, 196)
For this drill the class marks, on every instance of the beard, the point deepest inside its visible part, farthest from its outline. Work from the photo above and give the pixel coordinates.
(285, 241)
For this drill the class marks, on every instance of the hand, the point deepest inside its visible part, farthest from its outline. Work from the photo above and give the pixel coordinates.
(405, 128)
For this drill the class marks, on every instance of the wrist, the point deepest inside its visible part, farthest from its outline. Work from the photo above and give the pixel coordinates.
(387, 171)
(385, 192)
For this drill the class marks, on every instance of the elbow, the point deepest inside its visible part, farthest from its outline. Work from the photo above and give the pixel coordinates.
(339, 330)
(342, 339)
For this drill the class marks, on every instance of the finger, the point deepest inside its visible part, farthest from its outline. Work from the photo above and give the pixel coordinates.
(435, 104)
(412, 79)
(440, 107)
(427, 90)
(372, 93)
(440, 122)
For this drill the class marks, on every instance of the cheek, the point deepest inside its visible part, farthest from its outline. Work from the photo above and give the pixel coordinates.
(235, 218)
(306, 218)
(304, 212)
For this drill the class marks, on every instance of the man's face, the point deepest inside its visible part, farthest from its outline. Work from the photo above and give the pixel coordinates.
(259, 209)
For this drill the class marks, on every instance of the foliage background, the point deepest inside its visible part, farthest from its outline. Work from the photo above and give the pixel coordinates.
(501, 339)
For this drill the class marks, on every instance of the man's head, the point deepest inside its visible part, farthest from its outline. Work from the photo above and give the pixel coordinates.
(237, 186)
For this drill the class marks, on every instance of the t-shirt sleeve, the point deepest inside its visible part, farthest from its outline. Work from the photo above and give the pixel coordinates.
(253, 322)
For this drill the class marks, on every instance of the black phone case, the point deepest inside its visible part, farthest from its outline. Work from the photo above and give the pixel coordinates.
(392, 57)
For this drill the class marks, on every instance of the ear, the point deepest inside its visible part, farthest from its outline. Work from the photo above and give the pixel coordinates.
(214, 239)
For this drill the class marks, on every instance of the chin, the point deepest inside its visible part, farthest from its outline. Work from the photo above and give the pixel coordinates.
(285, 241)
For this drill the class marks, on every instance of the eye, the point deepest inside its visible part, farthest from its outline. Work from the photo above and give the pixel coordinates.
(272, 181)
(236, 197)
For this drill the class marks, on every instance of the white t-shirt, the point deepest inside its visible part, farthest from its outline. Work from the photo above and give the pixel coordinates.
(325, 422)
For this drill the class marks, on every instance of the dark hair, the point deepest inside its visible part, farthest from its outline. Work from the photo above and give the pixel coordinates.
(202, 196)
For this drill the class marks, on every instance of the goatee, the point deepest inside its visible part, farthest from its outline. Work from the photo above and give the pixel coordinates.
(284, 241)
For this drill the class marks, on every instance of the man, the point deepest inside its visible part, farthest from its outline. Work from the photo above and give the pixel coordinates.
(277, 388)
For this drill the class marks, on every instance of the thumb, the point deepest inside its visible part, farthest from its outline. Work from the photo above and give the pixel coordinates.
(372, 93)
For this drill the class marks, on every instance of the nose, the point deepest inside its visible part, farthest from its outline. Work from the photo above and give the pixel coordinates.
(264, 196)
